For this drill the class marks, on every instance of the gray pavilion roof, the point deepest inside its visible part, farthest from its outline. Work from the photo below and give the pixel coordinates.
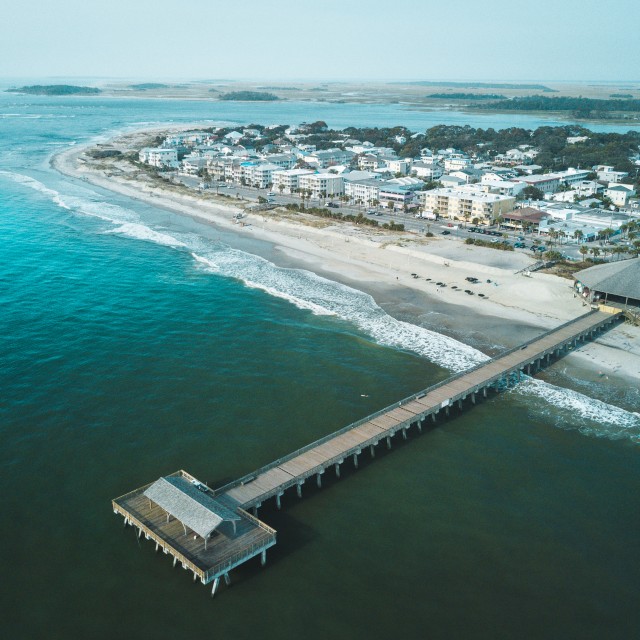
(193, 507)
(618, 278)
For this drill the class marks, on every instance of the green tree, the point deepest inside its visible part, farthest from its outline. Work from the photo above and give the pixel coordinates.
(531, 193)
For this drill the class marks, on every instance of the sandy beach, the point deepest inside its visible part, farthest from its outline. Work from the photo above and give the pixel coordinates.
(514, 308)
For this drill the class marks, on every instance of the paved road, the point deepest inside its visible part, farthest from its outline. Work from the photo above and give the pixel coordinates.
(411, 223)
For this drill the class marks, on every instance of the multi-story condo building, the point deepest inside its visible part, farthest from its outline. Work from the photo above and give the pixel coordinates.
(322, 184)
(260, 175)
(329, 157)
(288, 180)
(159, 157)
(365, 191)
(466, 204)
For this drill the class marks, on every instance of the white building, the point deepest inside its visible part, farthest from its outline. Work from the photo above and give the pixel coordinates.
(193, 164)
(607, 174)
(322, 185)
(399, 166)
(365, 191)
(572, 176)
(427, 170)
(261, 175)
(547, 182)
(159, 157)
(619, 194)
(283, 160)
(455, 163)
(467, 203)
(328, 157)
(288, 180)
(494, 184)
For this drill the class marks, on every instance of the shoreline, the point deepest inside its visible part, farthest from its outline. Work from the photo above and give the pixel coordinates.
(382, 263)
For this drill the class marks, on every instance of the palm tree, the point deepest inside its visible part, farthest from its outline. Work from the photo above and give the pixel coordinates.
(595, 252)
(605, 234)
(583, 251)
(578, 235)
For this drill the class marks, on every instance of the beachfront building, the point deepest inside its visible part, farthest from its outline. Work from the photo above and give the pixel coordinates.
(260, 175)
(396, 197)
(321, 185)
(159, 157)
(468, 203)
(524, 219)
(617, 282)
(288, 180)
(364, 191)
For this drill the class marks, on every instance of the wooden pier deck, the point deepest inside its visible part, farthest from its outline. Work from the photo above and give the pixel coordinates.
(230, 547)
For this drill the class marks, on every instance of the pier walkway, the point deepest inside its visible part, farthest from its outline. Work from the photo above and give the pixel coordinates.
(314, 459)
(229, 548)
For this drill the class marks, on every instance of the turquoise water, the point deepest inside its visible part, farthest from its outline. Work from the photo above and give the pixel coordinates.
(133, 344)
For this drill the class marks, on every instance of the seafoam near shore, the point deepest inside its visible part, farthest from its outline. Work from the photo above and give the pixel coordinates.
(381, 263)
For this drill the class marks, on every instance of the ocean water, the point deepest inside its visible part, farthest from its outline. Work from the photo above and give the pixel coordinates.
(134, 343)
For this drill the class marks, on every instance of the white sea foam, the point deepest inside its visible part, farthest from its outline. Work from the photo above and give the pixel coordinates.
(314, 293)
(95, 208)
(30, 182)
(209, 264)
(142, 232)
(572, 409)
(298, 302)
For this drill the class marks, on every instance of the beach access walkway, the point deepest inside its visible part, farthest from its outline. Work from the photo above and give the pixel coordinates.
(211, 555)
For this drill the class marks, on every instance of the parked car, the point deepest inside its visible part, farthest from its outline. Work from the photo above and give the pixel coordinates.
(446, 232)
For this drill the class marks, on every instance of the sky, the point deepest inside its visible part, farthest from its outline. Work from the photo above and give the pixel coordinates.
(507, 40)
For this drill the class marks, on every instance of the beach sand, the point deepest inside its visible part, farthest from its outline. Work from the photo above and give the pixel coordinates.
(381, 263)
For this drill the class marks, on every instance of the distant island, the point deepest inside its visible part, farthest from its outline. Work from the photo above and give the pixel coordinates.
(145, 86)
(579, 107)
(467, 96)
(249, 96)
(479, 85)
(56, 90)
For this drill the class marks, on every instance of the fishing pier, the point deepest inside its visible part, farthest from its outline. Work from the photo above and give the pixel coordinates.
(210, 531)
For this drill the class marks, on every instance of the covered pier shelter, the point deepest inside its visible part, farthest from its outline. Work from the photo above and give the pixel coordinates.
(207, 535)
(612, 282)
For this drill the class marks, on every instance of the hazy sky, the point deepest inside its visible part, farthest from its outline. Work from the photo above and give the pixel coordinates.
(323, 39)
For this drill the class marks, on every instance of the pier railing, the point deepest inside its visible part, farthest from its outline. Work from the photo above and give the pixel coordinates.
(416, 396)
